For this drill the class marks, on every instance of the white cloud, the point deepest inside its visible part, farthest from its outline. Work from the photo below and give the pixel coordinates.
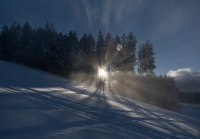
(179, 72)
(183, 72)
(186, 79)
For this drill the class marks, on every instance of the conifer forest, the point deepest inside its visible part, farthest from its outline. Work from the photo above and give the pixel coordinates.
(130, 70)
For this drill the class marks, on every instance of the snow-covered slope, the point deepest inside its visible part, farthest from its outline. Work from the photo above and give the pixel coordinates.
(36, 104)
(192, 110)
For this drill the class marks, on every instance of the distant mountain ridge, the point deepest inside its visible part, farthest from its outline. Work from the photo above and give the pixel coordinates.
(188, 83)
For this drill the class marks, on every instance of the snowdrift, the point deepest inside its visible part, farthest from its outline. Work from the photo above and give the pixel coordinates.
(37, 104)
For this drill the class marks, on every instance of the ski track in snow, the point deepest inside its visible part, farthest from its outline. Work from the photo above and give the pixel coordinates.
(37, 104)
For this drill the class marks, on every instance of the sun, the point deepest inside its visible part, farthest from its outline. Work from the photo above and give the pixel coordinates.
(102, 72)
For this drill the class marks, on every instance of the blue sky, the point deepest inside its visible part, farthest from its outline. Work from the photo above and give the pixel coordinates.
(173, 26)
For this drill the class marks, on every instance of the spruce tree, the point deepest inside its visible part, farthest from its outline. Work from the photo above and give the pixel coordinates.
(109, 56)
(131, 52)
(124, 57)
(91, 50)
(84, 51)
(60, 49)
(47, 39)
(145, 58)
(4, 46)
(117, 55)
(13, 38)
(91, 45)
(52, 51)
(109, 43)
(40, 47)
(34, 60)
(72, 50)
(18, 42)
(100, 48)
(26, 45)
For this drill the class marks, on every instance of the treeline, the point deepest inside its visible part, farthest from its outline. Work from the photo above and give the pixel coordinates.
(156, 90)
(45, 49)
(189, 97)
(64, 54)
(41, 48)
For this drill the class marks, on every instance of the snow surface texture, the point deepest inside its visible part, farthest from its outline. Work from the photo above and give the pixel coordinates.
(36, 104)
(192, 110)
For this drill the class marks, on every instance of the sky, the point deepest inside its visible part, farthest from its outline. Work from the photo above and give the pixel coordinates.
(173, 27)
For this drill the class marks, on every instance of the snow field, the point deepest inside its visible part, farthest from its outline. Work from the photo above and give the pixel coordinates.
(36, 104)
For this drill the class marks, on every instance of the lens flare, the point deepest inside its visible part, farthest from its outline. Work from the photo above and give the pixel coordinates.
(119, 47)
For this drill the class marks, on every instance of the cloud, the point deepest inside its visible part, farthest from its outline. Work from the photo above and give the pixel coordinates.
(186, 79)
(184, 72)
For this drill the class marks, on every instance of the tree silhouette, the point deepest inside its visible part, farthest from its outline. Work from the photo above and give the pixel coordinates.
(145, 58)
